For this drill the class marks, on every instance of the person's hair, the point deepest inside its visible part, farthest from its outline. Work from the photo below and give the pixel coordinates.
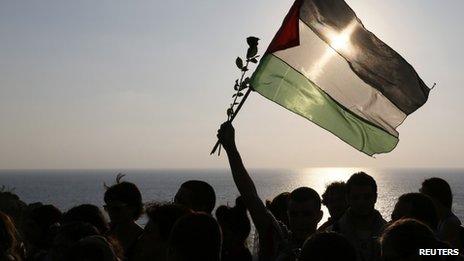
(11, 205)
(45, 215)
(406, 236)
(165, 216)
(361, 179)
(46, 218)
(126, 192)
(303, 194)
(92, 248)
(327, 246)
(89, 214)
(439, 190)
(76, 231)
(9, 242)
(68, 235)
(334, 187)
(196, 236)
(203, 195)
(421, 208)
(235, 218)
(278, 207)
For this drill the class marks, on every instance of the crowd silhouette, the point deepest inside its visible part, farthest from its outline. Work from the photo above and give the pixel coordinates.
(188, 228)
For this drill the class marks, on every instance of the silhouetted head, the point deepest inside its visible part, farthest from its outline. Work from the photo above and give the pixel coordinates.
(196, 195)
(123, 202)
(152, 244)
(162, 217)
(417, 206)
(403, 239)
(361, 194)
(334, 198)
(11, 205)
(234, 223)
(196, 236)
(9, 243)
(278, 207)
(68, 235)
(87, 213)
(327, 246)
(39, 225)
(439, 190)
(304, 212)
(92, 248)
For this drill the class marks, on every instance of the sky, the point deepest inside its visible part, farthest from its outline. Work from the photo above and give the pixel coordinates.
(145, 84)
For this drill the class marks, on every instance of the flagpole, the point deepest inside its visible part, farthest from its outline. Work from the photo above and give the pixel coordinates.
(233, 116)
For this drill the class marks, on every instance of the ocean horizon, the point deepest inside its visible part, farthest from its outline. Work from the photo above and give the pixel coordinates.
(66, 188)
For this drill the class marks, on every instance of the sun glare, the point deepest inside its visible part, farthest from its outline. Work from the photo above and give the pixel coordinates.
(319, 178)
(331, 174)
(339, 41)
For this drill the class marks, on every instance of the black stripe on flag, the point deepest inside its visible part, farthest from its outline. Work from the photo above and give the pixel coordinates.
(371, 59)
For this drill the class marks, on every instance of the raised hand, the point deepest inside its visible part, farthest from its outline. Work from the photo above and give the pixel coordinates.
(226, 135)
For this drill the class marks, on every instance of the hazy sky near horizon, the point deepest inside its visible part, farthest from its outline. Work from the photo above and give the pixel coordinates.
(145, 84)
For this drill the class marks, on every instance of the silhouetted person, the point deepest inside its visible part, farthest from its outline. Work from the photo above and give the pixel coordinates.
(404, 238)
(39, 229)
(13, 206)
(304, 208)
(92, 248)
(87, 213)
(197, 195)
(10, 245)
(361, 224)
(278, 207)
(417, 206)
(67, 236)
(196, 236)
(124, 206)
(152, 244)
(449, 225)
(334, 198)
(235, 227)
(327, 246)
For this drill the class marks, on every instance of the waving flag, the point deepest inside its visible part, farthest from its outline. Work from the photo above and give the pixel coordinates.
(325, 66)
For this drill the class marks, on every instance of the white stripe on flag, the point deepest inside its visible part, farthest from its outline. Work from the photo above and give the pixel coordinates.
(316, 60)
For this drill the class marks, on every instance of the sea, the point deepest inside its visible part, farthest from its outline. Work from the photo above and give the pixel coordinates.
(68, 188)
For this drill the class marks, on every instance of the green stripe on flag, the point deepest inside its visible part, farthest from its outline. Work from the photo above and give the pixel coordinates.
(277, 81)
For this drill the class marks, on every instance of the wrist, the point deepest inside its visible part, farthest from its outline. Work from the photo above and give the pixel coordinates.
(230, 147)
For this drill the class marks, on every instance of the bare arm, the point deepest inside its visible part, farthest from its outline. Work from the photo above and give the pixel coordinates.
(258, 211)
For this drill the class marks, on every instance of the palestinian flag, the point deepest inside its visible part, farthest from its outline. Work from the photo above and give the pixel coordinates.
(325, 66)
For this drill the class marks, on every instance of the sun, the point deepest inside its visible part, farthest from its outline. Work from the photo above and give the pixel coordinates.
(340, 42)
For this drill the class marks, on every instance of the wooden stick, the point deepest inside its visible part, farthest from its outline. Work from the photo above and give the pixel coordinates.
(233, 116)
